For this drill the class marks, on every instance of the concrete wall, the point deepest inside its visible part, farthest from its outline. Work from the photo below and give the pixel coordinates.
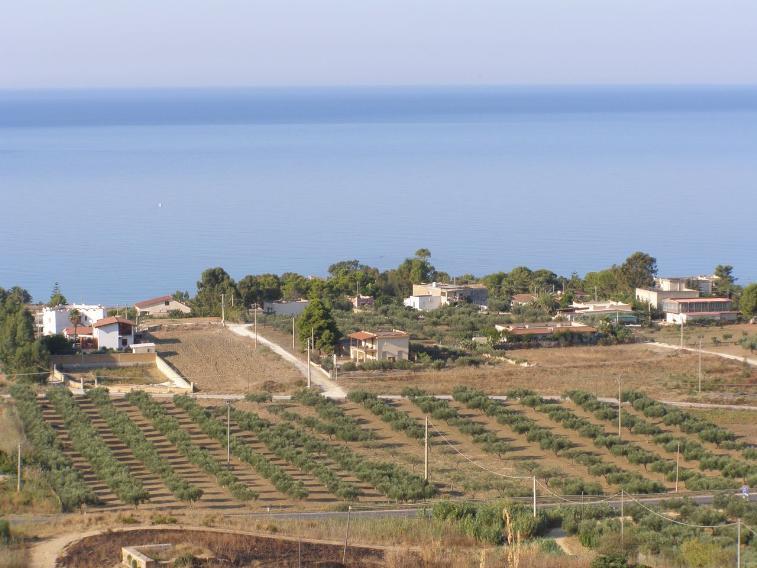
(392, 347)
(96, 360)
(161, 310)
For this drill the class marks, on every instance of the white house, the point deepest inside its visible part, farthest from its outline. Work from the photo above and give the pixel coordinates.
(424, 303)
(114, 333)
(55, 320)
(160, 307)
(379, 346)
(285, 308)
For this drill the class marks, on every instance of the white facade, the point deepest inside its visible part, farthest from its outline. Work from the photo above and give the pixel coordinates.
(656, 297)
(143, 348)
(55, 320)
(110, 336)
(423, 303)
(285, 308)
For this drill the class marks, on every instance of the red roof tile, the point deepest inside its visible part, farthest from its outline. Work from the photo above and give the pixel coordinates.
(111, 320)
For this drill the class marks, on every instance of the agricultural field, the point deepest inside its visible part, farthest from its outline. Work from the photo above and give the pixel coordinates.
(662, 373)
(314, 453)
(140, 455)
(216, 360)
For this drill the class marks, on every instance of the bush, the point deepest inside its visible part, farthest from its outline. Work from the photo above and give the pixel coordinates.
(5, 532)
(259, 397)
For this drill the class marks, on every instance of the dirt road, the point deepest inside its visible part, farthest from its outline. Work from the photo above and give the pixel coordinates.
(330, 388)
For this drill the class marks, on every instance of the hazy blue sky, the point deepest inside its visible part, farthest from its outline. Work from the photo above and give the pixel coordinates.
(77, 43)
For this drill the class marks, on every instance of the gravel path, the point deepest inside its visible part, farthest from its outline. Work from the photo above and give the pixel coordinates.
(330, 388)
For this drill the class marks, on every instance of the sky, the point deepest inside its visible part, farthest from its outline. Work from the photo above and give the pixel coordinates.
(214, 43)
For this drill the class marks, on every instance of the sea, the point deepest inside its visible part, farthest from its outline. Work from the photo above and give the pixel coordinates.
(121, 195)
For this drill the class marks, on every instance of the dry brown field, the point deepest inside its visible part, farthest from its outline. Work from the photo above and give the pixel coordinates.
(662, 373)
(720, 338)
(218, 361)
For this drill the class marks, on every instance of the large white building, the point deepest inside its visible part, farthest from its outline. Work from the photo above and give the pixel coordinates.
(685, 310)
(668, 288)
(55, 320)
(437, 294)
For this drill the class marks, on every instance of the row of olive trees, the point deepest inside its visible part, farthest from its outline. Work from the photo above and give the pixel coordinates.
(285, 442)
(58, 469)
(202, 458)
(441, 410)
(399, 421)
(216, 429)
(388, 478)
(88, 442)
(337, 422)
(131, 435)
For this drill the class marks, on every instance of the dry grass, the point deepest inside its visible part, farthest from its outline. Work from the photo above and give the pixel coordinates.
(727, 337)
(661, 373)
(14, 557)
(11, 429)
(218, 361)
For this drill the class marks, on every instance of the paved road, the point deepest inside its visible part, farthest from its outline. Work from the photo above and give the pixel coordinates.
(330, 388)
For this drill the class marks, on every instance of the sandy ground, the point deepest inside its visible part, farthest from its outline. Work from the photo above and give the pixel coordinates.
(217, 360)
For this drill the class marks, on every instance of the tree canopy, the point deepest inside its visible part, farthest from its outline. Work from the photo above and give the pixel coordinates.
(56, 297)
(318, 320)
(748, 301)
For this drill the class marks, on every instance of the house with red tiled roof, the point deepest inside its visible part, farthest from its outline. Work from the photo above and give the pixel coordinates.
(114, 333)
(161, 307)
(379, 346)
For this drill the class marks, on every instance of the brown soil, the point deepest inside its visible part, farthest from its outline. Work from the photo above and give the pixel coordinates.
(229, 549)
(216, 360)
(661, 373)
(691, 335)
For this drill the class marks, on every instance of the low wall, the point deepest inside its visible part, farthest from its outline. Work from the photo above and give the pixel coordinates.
(95, 360)
(179, 385)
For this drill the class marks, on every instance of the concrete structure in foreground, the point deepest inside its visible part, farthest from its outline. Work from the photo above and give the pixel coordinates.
(379, 346)
(685, 310)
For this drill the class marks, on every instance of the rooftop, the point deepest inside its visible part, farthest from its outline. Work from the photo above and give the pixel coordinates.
(153, 302)
(697, 300)
(363, 335)
(111, 320)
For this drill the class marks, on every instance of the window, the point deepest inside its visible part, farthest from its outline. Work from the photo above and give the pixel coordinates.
(167, 302)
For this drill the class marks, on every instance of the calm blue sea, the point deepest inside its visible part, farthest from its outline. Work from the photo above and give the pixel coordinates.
(120, 195)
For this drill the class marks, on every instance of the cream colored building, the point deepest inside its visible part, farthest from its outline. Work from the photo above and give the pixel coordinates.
(160, 307)
(379, 346)
(437, 294)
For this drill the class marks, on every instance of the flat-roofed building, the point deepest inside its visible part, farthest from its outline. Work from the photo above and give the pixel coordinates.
(57, 319)
(446, 294)
(379, 346)
(683, 310)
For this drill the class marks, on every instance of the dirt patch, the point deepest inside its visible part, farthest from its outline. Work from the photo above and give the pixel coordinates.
(662, 374)
(229, 549)
(216, 360)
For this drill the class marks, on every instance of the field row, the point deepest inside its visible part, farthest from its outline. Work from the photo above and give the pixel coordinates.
(317, 453)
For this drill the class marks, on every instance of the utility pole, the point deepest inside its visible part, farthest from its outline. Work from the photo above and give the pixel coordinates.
(228, 432)
(256, 326)
(681, 331)
(622, 517)
(620, 404)
(223, 310)
(346, 534)
(678, 454)
(534, 478)
(308, 363)
(293, 333)
(738, 543)
(18, 480)
(425, 452)
(336, 370)
(700, 364)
